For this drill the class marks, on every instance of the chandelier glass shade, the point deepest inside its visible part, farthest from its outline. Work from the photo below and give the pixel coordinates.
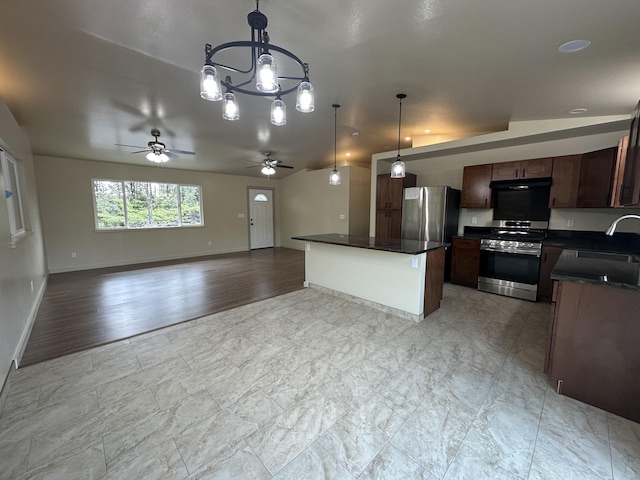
(261, 77)
(397, 168)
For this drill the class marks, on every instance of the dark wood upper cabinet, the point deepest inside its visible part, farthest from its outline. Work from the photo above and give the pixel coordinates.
(618, 174)
(389, 204)
(565, 181)
(475, 186)
(596, 178)
(630, 188)
(536, 168)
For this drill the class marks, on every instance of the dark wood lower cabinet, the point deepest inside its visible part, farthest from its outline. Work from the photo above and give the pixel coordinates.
(465, 261)
(548, 259)
(593, 352)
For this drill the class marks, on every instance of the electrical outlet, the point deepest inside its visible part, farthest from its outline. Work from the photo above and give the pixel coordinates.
(210, 243)
(308, 246)
(570, 222)
(241, 215)
(73, 255)
(31, 284)
(342, 216)
(414, 263)
(474, 220)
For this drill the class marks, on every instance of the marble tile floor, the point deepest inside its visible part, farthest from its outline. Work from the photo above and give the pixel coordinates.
(310, 386)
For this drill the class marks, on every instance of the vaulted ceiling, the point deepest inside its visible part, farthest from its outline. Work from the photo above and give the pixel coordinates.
(83, 75)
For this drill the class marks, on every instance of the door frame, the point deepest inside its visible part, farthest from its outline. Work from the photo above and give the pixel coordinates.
(273, 213)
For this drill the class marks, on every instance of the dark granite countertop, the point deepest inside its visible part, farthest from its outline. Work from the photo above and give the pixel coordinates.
(589, 266)
(410, 247)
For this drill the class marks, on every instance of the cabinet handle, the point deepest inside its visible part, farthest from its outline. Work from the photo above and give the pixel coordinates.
(516, 173)
(485, 202)
(524, 172)
(545, 257)
(553, 202)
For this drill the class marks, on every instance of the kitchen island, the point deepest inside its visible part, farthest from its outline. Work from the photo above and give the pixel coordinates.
(592, 351)
(404, 277)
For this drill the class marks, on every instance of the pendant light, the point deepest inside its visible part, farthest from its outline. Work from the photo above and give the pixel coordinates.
(334, 178)
(397, 168)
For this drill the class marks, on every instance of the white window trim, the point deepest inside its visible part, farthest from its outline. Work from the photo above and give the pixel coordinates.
(16, 209)
(126, 228)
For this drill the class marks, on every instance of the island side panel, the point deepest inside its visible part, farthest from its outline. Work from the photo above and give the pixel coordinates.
(383, 277)
(434, 284)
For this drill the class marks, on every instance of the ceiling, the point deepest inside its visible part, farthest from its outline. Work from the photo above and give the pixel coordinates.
(83, 75)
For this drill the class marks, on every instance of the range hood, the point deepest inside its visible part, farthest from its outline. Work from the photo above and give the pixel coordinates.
(520, 184)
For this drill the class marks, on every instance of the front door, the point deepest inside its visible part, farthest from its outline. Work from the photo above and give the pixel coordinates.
(260, 218)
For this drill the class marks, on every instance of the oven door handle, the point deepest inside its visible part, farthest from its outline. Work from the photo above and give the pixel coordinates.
(531, 253)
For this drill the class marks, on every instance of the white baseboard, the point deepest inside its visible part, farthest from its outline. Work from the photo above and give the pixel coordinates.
(24, 338)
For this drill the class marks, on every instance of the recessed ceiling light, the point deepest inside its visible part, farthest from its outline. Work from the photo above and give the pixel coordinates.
(407, 139)
(426, 130)
(348, 154)
(355, 134)
(573, 46)
(578, 111)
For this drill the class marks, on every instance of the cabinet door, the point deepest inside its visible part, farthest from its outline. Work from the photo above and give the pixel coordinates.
(382, 223)
(630, 189)
(395, 224)
(596, 178)
(548, 259)
(537, 168)
(618, 174)
(382, 192)
(396, 185)
(465, 261)
(505, 171)
(565, 180)
(475, 186)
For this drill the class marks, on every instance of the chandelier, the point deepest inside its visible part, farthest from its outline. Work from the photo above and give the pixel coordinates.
(262, 72)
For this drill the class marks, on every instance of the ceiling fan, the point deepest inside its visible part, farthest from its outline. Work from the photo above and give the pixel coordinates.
(269, 164)
(158, 151)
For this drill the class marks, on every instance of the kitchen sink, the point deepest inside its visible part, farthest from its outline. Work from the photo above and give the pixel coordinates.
(609, 256)
(606, 267)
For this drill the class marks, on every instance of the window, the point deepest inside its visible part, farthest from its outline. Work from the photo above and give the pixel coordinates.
(11, 179)
(136, 205)
(260, 197)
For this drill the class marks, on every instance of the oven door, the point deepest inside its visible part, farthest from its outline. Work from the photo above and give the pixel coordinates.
(509, 273)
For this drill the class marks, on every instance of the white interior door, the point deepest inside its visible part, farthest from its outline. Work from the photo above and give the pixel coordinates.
(260, 218)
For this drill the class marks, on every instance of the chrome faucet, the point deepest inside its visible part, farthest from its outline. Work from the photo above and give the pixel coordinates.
(613, 226)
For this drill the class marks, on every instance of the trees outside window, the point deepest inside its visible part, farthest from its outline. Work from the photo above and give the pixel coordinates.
(135, 205)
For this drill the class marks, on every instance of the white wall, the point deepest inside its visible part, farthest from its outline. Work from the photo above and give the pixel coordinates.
(26, 262)
(446, 168)
(359, 194)
(64, 186)
(311, 206)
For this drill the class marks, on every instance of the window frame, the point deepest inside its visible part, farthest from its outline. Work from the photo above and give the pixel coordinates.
(126, 226)
(10, 170)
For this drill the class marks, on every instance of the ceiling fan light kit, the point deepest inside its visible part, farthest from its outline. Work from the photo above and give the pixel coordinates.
(263, 70)
(157, 151)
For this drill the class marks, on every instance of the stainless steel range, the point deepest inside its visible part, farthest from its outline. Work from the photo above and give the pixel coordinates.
(510, 258)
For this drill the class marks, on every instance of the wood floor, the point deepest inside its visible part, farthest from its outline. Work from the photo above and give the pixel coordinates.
(84, 309)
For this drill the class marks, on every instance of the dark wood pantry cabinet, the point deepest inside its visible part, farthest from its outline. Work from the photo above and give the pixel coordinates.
(389, 204)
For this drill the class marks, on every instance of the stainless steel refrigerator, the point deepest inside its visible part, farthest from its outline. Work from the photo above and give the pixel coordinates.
(431, 214)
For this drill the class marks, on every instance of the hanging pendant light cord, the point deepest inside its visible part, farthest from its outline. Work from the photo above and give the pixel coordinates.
(335, 133)
(400, 96)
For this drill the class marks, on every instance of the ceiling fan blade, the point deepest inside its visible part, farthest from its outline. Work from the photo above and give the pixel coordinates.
(124, 145)
(182, 152)
(282, 166)
(253, 166)
(142, 151)
(170, 154)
